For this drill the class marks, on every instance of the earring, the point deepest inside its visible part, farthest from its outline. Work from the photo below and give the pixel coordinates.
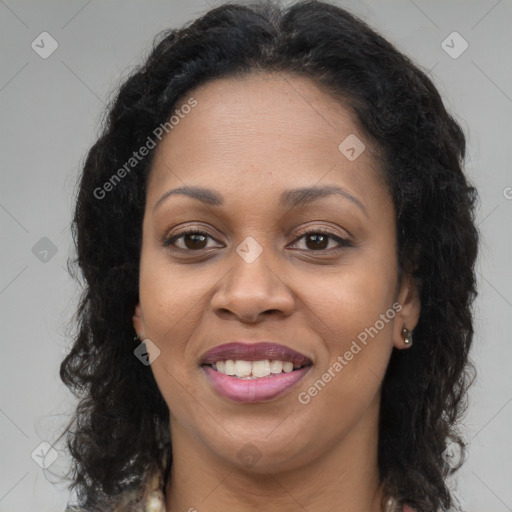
(407, 336)
(136, 338)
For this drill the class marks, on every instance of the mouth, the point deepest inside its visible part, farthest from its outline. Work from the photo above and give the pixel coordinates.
(254, 372)
(251, 370)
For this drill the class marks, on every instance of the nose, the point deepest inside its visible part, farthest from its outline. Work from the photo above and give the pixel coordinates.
(251, 291)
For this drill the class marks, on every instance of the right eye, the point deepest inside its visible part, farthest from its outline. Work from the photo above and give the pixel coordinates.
(191, 240)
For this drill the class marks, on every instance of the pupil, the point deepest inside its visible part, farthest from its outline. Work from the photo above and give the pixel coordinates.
(319, 241)
(195, 239)
(322, 238)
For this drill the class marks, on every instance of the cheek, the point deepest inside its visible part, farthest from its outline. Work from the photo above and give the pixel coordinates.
(354, 314)
(178, 389)
(170, 295)
(351, 299)
(172, 311)
(358, 344)
(172, 308)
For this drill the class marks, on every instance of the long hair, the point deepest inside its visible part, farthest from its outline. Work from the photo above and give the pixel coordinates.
(121, 424)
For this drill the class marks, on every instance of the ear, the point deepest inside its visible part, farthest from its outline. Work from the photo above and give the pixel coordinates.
(409, 314)
(138, 322)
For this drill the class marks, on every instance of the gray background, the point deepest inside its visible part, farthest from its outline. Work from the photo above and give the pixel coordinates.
(50, 112)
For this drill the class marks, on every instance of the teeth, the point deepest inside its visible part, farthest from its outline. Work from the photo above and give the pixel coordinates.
(253, 369)
(276, 366)
(243, 368)
(261, 368)
(229, 367)
(287, 367)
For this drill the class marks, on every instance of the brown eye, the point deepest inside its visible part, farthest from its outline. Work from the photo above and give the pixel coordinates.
(190, 240)
(194, 240)
(318, 241)
(315, 240)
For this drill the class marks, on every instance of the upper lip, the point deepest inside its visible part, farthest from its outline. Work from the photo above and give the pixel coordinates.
(254, 352)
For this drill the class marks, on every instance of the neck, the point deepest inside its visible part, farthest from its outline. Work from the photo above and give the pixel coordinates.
(344, 478)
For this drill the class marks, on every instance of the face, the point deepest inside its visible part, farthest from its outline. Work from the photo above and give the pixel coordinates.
(266, 260)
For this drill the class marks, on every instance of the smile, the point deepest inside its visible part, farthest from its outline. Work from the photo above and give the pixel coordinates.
(254, 369)
(251, 388)
(253, 372)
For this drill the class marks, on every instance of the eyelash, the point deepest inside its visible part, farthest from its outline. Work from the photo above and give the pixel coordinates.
(343, 242)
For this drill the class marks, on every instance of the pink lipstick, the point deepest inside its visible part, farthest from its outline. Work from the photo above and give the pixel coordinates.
(254, 372)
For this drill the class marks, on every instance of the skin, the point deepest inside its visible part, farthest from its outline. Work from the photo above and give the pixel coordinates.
(250, 139)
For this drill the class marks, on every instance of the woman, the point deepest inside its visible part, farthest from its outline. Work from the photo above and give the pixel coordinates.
(277, 209)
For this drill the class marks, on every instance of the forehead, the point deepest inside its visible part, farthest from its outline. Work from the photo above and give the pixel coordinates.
(246, 133)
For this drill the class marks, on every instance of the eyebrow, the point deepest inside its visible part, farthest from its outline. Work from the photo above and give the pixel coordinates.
(291, 198)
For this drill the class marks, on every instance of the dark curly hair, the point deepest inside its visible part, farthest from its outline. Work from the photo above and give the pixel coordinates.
(120, 428)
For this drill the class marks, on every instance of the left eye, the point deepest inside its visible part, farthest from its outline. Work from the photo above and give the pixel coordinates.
(319, 240)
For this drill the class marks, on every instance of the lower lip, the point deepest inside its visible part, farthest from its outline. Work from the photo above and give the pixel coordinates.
(254, 390)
